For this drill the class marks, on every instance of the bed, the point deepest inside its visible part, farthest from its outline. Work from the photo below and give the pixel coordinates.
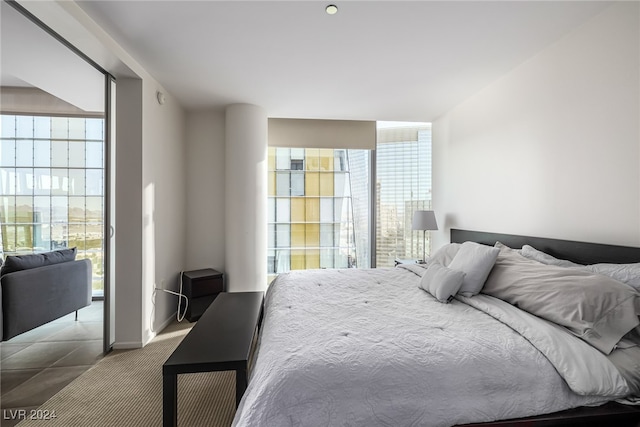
(372, 347)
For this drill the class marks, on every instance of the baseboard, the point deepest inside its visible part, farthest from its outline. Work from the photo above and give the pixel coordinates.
(127, 345)
(152, 334)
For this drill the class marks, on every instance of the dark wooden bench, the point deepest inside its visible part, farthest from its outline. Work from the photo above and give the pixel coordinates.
(220, 341)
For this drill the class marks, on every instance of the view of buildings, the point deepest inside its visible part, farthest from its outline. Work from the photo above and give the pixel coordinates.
(51, 187)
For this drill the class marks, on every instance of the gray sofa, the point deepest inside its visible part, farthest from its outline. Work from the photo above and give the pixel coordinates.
(38, 288)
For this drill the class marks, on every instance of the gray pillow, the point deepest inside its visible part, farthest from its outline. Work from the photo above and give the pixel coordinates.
(625, 273)
(536, 255)
(476, 261)
(442, 282)
(444, 255)
(595, 308)
(15, 263)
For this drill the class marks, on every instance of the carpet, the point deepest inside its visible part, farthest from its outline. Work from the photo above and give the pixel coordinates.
(125, 389)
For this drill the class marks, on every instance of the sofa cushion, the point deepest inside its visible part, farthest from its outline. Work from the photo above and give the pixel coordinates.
(25, 262)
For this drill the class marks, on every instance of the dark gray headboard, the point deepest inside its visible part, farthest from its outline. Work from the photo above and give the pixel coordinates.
(580, 252)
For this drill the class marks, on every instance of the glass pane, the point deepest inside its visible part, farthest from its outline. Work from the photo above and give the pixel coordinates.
(42, 209)
(42, 153)
(42, 181)
(7, 210)
(297, 259)
(76, 236)
(297, 183)
(271, 261)
(312, 159)
(337, 208)
(24, 127)
(271, 159)
(339, 187)
(95, 129)
(312, 184)
(42, 127)
(24, 181)
(59, 209)
(9, 238)
(59, 181)
(42, 237)
(283, 210)
(297, 235)
(24, 152)
(340, 259)
(340, 160)
(59, 127)
(312, 206)
(76, 154)
(94, 154)
(76, 182)
(76, 128)
(8, 152)
(94, 183)
(312, 235)
(94, 237)
(283, 186)
(271, 236)
(326, 235)
(7, 181)
(283, 261)
(94, 209)
(76, 209)
(312, 258)
(271, 209)
(59, 154)
(8, 126)
(326, 184)
(59, 236)
(326, 209)
(283, 159)
(326, 160)
(326, 258)
(271, 183)
(297, 154)
(297, 209)
(283, 235)
(24, 209)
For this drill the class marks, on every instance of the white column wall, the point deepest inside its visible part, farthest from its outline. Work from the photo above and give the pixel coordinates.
(246, 198)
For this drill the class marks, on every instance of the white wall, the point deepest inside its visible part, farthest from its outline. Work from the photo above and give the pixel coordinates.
(551, 149)
(205, 190)
(164, 205)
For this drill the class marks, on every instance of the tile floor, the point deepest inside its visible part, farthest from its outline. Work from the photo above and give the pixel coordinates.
(37, 364)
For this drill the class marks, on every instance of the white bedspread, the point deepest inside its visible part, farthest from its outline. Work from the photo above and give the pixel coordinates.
(369, 348)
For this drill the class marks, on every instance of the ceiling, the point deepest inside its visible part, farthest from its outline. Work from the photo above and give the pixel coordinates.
(373, 60)
(31, 58)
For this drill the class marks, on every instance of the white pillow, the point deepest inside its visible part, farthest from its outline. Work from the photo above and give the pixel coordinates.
(442, 282)
(476, 261)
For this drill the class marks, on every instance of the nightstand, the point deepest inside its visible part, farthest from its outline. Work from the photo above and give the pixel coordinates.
(200, 287)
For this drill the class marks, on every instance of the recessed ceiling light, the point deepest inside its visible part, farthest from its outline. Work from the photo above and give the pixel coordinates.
(332, 9)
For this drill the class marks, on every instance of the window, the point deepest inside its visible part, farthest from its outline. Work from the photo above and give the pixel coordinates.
(403, 185)
(51, 187)
(320, 201)
(317, 208)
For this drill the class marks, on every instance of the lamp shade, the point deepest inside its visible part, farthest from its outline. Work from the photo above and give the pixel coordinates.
(424, 220)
